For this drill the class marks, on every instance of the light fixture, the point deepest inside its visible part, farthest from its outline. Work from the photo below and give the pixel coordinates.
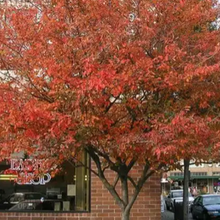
(8, 176)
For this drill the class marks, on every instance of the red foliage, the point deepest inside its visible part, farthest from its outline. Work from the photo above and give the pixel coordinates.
(112, 76)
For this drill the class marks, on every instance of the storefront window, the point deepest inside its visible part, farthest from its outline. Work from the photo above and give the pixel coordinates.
(216, 186)
(202, 186)
(67, 191)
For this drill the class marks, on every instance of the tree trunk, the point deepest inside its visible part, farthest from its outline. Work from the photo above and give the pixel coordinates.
(122, 170)
(124, 186)
(185, 191)
(125, 215)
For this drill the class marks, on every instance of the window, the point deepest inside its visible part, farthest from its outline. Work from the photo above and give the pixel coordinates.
(199, 174)
(179, 174)
(211, 200)
(69, 190)
(16, 198)
(177, 194)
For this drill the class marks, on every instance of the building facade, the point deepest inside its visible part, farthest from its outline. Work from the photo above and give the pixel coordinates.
(205, 178)
(101, 205)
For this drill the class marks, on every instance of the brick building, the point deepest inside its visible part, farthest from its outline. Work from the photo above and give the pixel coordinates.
(101, 205)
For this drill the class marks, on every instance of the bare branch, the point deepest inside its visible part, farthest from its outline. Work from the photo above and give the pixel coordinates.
(102, 177)
(106, 167)
(132, 181)
(147, 52)
(81, 164)
(104, 155)
(112, 103)
(131, 164)
(116, 181)
(145, 175)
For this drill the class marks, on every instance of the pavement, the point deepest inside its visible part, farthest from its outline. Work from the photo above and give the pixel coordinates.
(168, 215)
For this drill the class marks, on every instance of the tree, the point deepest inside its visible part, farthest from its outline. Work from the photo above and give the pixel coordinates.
(116, 79)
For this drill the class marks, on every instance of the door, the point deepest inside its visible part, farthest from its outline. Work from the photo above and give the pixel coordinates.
(197, 210)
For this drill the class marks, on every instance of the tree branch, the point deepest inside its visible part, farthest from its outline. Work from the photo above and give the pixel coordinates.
(149, 53)
(132, 181)
(106, 167)
(131, 164)
(83, 165)
(124, 188)
(112, 103)
(110, 188)
(105, 156)
(139, 185)
(116, 181)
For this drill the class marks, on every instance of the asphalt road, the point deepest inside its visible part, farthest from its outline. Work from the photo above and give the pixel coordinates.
(168, 215)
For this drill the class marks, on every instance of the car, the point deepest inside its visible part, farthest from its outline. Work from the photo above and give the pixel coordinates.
(43, 204)
(162, 203)
(178, 196)
(206, 207)
(17, 197)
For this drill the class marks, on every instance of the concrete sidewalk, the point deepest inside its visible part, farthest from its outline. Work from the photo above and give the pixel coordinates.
(168, 215)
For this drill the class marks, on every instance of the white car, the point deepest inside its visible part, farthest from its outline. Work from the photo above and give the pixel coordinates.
(178, 196)
(162, 203)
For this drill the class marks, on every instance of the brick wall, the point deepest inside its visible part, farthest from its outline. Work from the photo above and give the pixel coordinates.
(103, 207)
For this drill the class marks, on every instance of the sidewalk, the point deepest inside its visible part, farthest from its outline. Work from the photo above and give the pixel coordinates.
(168, 215)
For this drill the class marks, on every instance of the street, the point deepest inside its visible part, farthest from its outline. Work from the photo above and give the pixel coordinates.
(168, 215)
